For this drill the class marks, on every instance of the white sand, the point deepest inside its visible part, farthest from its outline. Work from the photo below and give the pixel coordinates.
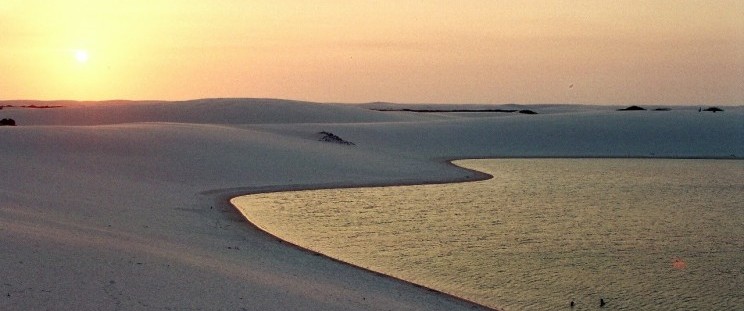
(124, 206)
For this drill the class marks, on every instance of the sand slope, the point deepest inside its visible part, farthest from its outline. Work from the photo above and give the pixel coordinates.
(123, 205)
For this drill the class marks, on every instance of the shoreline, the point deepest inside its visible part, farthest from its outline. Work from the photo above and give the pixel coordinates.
(225, 197)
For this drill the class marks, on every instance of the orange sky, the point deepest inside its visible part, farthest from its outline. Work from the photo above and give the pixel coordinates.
(477, 51)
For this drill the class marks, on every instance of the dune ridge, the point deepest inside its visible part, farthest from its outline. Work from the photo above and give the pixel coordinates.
(124, 205)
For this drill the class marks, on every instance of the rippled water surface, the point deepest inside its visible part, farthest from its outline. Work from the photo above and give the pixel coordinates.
(643, 234)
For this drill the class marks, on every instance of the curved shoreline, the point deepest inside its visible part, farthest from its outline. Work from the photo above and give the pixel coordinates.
(225, 196)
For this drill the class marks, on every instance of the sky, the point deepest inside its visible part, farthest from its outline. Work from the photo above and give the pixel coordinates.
(476, 51)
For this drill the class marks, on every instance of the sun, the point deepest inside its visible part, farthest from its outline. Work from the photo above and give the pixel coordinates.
(82, 56)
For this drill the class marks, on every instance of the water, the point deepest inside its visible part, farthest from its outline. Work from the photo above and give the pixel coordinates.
(644, 234)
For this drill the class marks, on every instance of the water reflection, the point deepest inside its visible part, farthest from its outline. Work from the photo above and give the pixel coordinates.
(638, 233)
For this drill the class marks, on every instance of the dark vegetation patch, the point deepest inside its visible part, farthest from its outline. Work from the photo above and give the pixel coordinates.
(448, 110)
(713, 109)
(7, 122)
(32, 106)
(632, 108)
(523, 111)
(333, 138)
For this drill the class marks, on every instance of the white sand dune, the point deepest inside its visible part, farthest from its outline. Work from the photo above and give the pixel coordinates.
(124, 205)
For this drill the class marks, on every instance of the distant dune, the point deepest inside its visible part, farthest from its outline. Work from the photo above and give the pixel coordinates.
(123, 205)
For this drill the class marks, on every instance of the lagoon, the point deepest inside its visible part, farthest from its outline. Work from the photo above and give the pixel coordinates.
(661, 234)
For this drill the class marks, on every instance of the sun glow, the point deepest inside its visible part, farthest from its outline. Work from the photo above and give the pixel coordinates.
(82, 56)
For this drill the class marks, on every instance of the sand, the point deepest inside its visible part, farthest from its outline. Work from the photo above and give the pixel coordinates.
(125, 205)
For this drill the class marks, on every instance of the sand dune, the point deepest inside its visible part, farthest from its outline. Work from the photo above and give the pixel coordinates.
(123, 205)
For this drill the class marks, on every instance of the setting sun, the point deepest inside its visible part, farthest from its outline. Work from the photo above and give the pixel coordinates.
(82, 56)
